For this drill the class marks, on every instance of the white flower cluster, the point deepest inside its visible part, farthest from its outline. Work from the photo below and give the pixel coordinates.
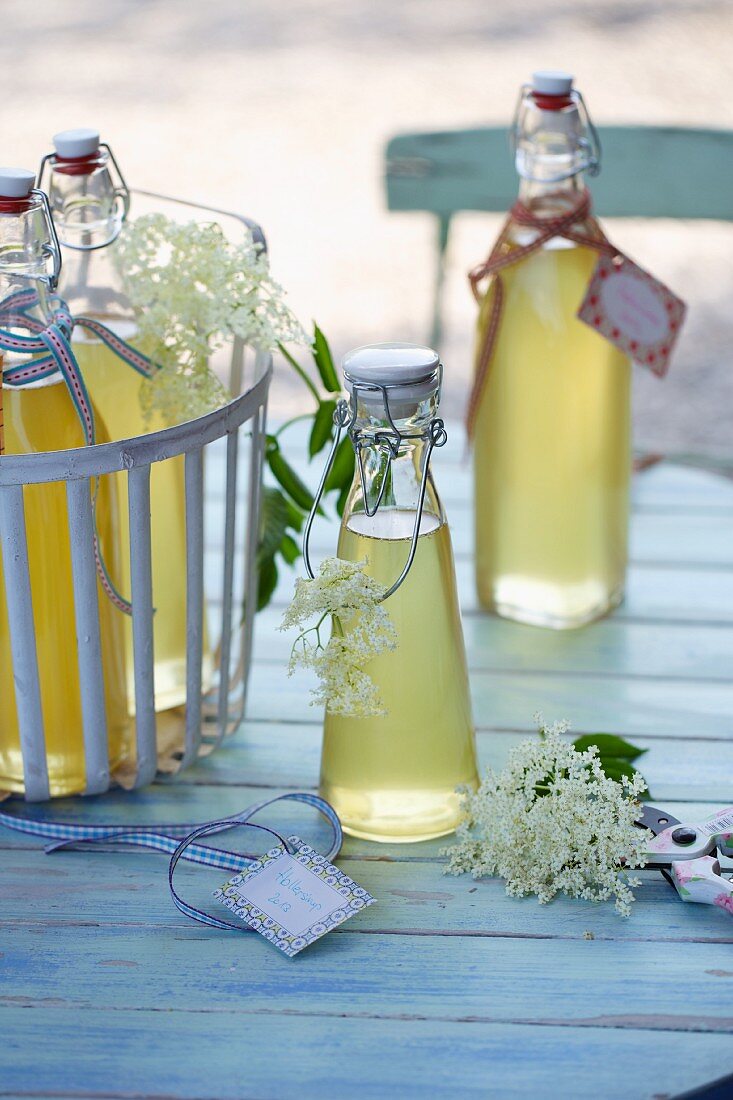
(552, 822)
(361, 629)
(192, 290)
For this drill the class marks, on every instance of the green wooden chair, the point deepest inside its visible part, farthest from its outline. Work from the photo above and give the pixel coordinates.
(648, 172)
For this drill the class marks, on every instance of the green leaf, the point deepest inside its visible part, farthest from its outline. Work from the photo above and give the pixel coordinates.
(299, 370)
(283, 472)
(274, 522)
(608, 745)
(266, 582)
(614, 767)
(289, 549)
(342, 471)
(324, 361)
(295, 516)
(322, 427)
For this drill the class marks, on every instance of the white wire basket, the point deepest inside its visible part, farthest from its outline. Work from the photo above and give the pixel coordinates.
(223, 456)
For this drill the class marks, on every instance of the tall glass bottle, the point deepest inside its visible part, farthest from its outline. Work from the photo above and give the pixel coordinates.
(40, 416)
(395, 777)
(552, 420)
(89, 200)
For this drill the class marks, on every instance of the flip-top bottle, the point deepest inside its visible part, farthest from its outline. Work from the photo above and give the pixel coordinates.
(90, 201)
(550, 412)
(394, 777)
(39, 415)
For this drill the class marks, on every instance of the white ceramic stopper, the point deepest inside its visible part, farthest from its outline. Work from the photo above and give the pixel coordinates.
(16, 183)
(552, 82)
(410, 367)
(76, 143)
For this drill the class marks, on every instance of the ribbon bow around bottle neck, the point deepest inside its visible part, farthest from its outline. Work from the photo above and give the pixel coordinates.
(570, 225)
(178, 841)
(49, 349)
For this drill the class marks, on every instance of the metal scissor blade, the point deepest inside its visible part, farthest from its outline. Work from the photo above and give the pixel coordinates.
(655, 820)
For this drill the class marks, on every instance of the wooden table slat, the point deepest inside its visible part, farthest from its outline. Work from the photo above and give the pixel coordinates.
(446, 987)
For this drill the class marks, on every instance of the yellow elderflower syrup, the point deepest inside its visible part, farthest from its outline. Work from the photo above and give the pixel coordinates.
(115, 388)
(43, 418)
(395, 777)
(552, 452)
(551, 420)
(392, 776)
(89, 206)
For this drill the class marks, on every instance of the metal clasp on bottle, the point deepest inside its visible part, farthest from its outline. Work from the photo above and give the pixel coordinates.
(120, 191)
(51, 247)
(591, 148)
(345, 417)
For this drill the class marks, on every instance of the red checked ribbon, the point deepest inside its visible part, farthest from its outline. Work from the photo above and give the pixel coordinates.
(563, 225)
(50, 351)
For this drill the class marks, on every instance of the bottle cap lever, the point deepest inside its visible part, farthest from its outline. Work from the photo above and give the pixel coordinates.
(52, 248)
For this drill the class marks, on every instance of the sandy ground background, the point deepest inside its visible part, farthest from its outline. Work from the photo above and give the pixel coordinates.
(282, 110)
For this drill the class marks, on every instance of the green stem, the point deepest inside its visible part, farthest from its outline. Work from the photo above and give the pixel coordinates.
(299, 371)
(301, 639)
(293, 420)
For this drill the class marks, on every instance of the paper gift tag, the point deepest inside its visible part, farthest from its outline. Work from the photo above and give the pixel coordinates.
(634, 311)
(293, 900)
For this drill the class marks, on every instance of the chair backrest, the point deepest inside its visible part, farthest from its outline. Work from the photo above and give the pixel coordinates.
(648, 172)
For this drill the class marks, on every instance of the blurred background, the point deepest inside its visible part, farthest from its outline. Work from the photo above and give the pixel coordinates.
(282, 111)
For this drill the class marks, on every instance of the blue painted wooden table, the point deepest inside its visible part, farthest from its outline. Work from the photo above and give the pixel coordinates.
(446, 987)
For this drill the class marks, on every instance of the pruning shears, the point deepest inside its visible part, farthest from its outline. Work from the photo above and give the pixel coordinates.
(687, 854)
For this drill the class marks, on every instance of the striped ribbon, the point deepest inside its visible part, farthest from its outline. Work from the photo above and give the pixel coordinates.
(569, 225)
(179, 842)
(50, 349)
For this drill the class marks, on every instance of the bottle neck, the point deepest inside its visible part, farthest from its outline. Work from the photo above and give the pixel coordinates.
(554, 144)
(23, 268)
(88, 217)
(84, 201)
(552, 196)
(384, 482)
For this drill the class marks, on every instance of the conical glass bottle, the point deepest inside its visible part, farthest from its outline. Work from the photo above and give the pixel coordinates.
(394, 777)
(552, 415)
(40, 416)
(89, 200)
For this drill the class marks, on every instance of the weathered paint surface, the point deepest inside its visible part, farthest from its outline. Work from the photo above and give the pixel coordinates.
(446, 987)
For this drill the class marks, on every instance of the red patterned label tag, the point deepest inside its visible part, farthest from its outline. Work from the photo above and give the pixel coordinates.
(634, 311)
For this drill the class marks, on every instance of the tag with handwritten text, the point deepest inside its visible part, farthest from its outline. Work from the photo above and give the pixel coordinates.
(634, 311)
(295, 899)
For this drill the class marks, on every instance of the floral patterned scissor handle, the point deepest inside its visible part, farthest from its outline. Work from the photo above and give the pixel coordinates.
(686, 854)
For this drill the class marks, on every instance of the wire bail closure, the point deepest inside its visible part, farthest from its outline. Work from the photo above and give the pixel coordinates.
(590, 148)
(51, 247)
(121, 194)
(345, 417)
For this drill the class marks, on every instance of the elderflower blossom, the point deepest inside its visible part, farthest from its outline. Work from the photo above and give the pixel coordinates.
(552, 822)
(361, 629)
(193, 290)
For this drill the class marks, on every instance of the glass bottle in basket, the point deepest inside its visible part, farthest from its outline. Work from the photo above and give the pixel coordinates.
(551, 406)
(394, 777)
(90, 201)
(39, 415)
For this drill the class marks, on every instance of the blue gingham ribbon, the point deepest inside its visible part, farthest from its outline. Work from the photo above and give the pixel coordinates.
(49, 347)
(179, 842)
